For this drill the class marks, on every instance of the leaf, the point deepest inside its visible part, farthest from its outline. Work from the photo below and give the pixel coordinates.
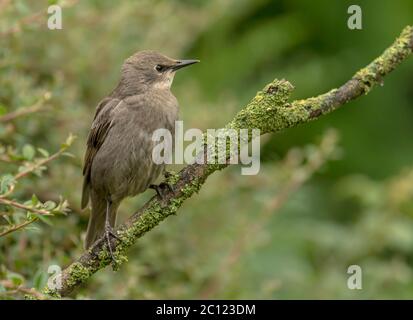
(16, 278)
(7, 218)
(44, 219)
(68, 154)
(5, 182)
(22, 7)
(43, 152)
(68, 142)
(35, 200)
(49, 205)
(28, 152)
(39, 279)
(3, 109)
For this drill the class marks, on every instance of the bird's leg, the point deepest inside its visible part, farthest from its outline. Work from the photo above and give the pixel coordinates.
(167, 174)
(168, 185)
(109, 229)
(158, 189)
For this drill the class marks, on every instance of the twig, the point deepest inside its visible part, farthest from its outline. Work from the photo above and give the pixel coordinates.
(268, 111)
(16, 289)
(5, 159)
(22, 206)
(38, 106)
(18, 226)
(21, 112)
(39, 164)
(31, 169)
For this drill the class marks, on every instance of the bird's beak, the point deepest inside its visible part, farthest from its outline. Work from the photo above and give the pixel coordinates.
(183, 63)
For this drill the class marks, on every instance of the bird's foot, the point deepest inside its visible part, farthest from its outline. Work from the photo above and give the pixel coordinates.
(109, 232)
(167, 185)
(167, 174)
(159, 188)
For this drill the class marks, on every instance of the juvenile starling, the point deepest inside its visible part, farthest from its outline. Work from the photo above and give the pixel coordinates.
(118, 161)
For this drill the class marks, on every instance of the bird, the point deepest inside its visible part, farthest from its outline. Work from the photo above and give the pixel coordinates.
(118, 159)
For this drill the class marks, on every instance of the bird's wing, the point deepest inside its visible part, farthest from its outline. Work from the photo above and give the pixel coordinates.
(101, 125)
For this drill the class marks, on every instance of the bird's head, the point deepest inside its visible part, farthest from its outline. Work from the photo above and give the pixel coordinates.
(150, 70)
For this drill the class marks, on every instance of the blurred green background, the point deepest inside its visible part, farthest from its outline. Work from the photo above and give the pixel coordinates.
(357, 208)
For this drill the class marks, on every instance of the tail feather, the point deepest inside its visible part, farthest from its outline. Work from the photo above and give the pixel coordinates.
(96, 225)
(85, 193)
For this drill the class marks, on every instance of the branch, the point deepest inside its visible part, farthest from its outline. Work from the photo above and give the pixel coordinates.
(36, 107)
(22, 206)
(19, 226)
(268, 111)
(36, 212)
(13, 289)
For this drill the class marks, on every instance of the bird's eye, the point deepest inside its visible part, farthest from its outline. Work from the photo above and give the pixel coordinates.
(159, 68)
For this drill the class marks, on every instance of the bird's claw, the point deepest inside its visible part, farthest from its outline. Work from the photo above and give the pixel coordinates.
(160, 187)
(168, 174)
(158, 190)
(109, 232)
(168, 186)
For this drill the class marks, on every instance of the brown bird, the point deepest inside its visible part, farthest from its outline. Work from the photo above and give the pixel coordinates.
(118, 161)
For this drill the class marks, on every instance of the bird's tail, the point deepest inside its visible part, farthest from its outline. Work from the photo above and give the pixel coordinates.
(96, 226)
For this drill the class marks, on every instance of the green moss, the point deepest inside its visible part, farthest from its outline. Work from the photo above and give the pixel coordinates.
(391, 57)
(263, 111)
(77, 273)
(301, 110)
(191, 188)
(173, 178)
(51, 293)
(120, 257)
(104, 257)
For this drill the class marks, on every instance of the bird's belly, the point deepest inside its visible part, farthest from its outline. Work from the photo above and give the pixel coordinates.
(140, 169)
(127, 168)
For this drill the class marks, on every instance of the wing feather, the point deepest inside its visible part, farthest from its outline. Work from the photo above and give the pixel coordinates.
(101, 125)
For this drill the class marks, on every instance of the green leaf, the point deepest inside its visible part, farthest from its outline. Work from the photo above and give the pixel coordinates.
(44, 219)
(7, 218)
(22, 7)
(68, 154)
(69, 141)
(39, 280)
(28, 152)
(5, 182)
(43, 152)
(3, 109)
(35, 200)
(16, 278)
(49, 205)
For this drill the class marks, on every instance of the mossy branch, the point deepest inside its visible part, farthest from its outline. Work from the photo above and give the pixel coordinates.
(268, 111)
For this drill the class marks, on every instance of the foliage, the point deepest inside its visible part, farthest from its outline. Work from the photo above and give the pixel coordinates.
(230, 241)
